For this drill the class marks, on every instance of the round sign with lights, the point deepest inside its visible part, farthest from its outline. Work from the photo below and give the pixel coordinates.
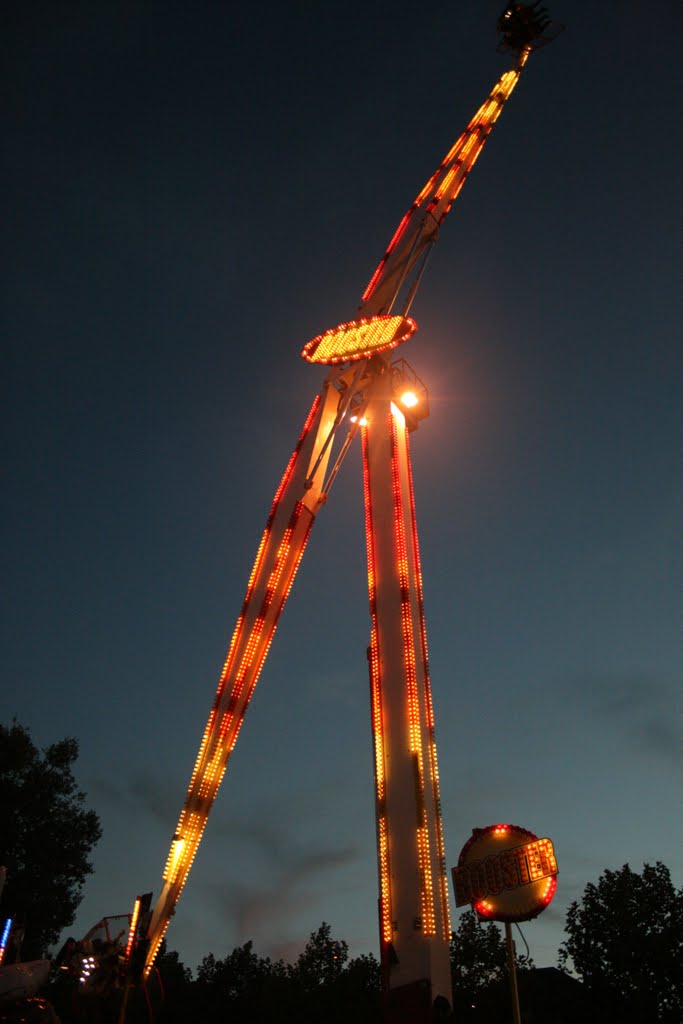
(506, 873)
(359, 339)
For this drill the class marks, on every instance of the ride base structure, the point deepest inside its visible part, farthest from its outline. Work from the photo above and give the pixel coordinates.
(363, 392)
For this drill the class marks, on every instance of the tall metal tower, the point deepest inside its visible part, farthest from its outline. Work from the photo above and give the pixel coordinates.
(363, 391)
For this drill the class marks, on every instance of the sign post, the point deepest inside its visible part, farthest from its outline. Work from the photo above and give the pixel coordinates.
(512, 974)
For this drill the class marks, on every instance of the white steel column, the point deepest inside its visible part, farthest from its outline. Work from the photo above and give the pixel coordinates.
(414, 917)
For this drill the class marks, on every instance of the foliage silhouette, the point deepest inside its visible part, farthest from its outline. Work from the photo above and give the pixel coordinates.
(625, 941)
(46, 836)
(322, 984)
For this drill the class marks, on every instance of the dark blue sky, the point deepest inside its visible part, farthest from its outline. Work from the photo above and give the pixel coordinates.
(190, 195)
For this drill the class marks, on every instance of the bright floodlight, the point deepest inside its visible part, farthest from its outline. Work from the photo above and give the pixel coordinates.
(359, 339)
(409, 399)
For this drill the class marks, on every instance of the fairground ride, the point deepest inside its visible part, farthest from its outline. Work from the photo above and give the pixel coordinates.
(366, 391)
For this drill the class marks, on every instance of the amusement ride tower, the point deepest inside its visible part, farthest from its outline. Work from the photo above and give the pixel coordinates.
(365, 391)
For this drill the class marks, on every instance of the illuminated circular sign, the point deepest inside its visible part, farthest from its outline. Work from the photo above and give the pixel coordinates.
(506, 873)
(359, 339)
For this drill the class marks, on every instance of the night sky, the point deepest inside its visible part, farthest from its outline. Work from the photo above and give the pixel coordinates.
(191, 192)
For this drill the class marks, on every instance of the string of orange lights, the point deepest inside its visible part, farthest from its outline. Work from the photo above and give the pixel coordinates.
(414, 913)
(277, 560)
(412, 235)
(385, 910)
(414, 718)
(428, 704)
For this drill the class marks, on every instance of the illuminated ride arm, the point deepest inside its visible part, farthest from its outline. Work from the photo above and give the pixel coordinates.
(382, 322)
(409, 247)
(295, 505)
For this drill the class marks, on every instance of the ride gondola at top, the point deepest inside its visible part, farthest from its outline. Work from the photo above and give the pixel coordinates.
(526, 26)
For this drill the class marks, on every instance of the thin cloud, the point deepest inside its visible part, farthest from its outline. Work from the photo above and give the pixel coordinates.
(146, 791)
(294, 879)
(662, 737)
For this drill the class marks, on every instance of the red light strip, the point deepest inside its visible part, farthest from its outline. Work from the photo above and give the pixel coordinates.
(295, 454)
(549, 891)
(133, 926)
(237, 634)
(225, 720)
(441, 848)
(376, 713)
(278, 587)
(398, 234)
(453, 170)
(473, 140)
(415, 731)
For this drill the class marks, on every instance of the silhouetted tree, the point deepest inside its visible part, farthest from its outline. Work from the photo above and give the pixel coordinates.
(243, 986)
(322, 961)
(46, 836)
(174, 973)
(175, 989)
(332, 988)
(626, 944)
(323, 985)
(361, 981)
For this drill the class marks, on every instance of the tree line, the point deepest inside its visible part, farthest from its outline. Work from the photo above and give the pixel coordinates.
(624, 939)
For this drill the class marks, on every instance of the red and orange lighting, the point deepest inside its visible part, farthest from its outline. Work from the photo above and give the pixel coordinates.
(430, 741)
(279, 554)
(133, 927)
(359, 339)
(429, 707)
(385, 914)
(549, 891)
(506, 873)
(410, 668)
(439, 193)
(267, 591)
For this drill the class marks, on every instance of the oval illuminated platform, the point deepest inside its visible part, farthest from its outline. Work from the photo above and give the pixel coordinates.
(359, 339)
